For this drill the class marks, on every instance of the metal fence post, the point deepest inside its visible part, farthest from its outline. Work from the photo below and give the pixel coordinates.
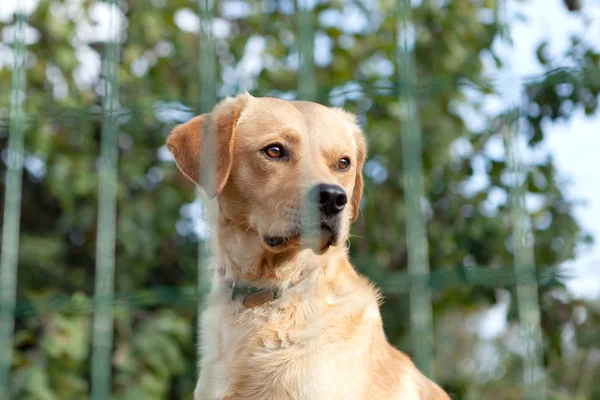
(207, 99)
(307, 90)
(307, 85)
(525, 274)
(416, 229)
(107, 207)
(12, 204)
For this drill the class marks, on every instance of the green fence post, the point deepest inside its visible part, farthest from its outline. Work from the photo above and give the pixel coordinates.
(307, 85)
(307, 90)
(208, 67)
(525, 274)
(107, 205)
(207, 99)
(12, 205)
(416, 230)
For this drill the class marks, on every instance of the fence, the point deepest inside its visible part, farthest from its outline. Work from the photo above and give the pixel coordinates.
(418, 282)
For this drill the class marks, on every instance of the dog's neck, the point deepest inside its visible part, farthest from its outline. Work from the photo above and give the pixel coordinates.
(243, 258)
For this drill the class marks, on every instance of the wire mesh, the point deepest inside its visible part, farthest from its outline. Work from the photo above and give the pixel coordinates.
(439, 281)
(418, 282)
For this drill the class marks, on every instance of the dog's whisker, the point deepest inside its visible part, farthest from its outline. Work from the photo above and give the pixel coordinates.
(279, 204)
(355, 236)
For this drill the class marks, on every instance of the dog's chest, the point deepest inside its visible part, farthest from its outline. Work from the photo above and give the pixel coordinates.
(279, 355)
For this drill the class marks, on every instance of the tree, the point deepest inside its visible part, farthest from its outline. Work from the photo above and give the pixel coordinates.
(466, 187)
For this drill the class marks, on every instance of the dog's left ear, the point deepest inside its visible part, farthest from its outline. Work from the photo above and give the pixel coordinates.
(358, 181)
(203, 146)
(361, 150)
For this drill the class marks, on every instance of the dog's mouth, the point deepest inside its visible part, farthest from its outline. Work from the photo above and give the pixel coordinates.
(319, 240)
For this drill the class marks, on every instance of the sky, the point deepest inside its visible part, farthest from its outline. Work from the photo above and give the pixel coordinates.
(573, 144)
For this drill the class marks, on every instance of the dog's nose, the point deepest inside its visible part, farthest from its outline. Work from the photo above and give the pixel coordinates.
(331, 198)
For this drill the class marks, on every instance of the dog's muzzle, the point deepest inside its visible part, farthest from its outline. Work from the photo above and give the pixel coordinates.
(321, 221)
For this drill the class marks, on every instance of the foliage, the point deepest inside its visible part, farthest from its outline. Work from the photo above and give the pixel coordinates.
(465, 182)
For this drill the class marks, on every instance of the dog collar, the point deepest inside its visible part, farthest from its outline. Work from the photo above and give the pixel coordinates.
(253, 296)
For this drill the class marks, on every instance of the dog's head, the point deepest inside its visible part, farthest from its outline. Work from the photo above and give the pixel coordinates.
(288, 171)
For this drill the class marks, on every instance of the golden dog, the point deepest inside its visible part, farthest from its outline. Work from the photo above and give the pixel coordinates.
(288, 317)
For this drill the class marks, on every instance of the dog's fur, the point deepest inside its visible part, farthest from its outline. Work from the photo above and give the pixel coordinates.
(322, 338)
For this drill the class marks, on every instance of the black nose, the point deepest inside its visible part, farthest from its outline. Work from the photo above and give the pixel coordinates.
(331, 198)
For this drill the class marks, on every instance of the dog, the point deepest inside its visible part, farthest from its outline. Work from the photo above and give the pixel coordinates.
(288, 317)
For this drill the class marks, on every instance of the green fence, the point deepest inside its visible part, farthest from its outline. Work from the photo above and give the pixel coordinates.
(417, 282)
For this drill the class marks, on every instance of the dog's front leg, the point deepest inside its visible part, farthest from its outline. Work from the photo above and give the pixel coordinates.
(202, 390)
(212, 383)
(209, 385)
(206, 390)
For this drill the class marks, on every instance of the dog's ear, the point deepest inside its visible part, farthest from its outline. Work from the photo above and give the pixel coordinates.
(203, 146)
(358, 180)
(361, 149)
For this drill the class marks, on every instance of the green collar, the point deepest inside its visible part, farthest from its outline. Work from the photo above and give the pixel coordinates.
(253, 296)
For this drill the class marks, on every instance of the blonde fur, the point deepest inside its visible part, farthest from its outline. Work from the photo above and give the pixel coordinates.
(322, 339)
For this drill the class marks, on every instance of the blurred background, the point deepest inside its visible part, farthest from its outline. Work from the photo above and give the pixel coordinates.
(478, 64)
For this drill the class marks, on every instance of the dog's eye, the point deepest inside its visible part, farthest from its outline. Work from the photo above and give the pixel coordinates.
(275, 151)
(343, 164)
